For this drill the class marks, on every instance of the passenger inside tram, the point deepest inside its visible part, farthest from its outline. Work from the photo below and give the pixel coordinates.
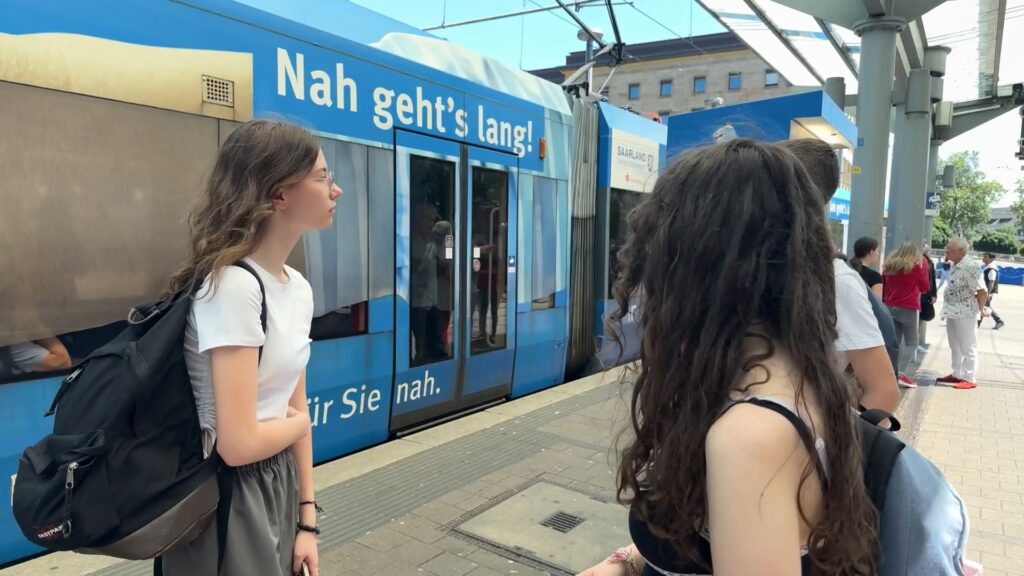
(425, 318)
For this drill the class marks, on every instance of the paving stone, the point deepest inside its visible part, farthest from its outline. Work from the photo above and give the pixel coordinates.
(383, 539)
(414, 552)
(448, 564)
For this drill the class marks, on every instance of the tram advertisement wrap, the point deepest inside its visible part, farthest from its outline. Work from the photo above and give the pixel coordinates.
(402, 102)
(240, 72)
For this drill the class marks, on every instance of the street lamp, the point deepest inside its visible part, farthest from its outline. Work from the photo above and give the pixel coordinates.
(584, 36)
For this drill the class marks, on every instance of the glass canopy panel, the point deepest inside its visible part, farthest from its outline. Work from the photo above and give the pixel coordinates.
(738, 17)
(955, 24)
(1011, 59)
(849, 42)
(806, 37)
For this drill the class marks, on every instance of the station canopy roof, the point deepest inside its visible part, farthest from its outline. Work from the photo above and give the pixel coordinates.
(807, 41)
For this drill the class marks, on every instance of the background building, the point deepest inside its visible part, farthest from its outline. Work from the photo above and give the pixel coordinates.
(1003, 218)
(680, 75)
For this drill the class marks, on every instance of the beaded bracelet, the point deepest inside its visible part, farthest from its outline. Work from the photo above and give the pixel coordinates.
(307, 528)
(313, 504)
(625, 555)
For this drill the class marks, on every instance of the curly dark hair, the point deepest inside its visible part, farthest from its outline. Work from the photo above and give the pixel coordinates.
(731, 243)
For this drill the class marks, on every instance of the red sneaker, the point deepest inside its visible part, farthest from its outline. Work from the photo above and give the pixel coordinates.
(907, 381)
(949, 379)
(964, 385)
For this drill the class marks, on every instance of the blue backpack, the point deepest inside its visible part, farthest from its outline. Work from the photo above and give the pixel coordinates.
(922, 520)
(923, 525)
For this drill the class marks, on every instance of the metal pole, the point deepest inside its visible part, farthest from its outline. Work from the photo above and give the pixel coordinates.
(933, 165)
(899, 134)
(835, 87)
(907, 196)
(590, 71)
(874, 106)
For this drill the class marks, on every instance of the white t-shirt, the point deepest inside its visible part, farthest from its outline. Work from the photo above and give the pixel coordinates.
(231, 317)
(26, 356)
(855, 321)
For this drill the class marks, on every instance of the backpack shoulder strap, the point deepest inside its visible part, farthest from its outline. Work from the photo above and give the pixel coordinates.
(263, 294)
(879, 450)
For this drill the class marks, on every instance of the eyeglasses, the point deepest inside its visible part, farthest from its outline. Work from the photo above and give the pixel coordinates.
(327, 178)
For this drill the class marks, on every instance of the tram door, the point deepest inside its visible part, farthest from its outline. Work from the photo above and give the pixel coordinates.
(455, 265)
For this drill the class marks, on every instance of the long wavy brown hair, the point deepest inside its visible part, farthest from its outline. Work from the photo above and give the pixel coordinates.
(254, 163)
(732, 242)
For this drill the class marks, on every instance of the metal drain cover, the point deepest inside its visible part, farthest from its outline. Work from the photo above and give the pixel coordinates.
(562, 521)
(557, 526)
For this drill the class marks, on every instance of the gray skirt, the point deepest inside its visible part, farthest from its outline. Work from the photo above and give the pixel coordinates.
(261, 526)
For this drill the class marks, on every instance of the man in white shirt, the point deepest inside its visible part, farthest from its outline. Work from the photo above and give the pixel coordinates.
(964, 300)
(860, 344)
(991, 273)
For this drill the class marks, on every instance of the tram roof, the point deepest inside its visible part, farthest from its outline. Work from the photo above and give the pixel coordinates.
(355, 23)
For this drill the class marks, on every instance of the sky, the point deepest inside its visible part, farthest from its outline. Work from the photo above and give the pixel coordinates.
(542, 40)
(995, 142)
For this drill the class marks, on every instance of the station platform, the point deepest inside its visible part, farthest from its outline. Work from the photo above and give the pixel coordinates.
(527, 487)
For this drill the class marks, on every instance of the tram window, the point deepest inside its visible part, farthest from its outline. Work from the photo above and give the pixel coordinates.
(490, 251)
(337, 258)
(622, 203)
(545, 242)
(99, 223)
(432, 274)
(382, 222)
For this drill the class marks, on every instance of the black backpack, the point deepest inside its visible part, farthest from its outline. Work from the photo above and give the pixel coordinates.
(123, 473)
(884, 320)
(888, 329)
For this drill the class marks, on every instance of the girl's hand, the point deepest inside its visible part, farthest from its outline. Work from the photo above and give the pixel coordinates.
(305, 552)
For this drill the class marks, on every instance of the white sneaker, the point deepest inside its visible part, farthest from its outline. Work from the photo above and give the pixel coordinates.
(922, 350)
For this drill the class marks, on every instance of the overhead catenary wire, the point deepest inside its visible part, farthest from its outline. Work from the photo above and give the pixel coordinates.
(669, 30)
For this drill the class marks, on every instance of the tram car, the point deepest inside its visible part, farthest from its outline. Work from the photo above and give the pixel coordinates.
(472, 250)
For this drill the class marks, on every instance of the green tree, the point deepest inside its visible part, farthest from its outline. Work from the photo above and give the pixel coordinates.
(1018, 205)
(966, 207)
(998, 241)
(940, 233)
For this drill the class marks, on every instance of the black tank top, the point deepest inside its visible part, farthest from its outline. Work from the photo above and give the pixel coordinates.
(659, 554)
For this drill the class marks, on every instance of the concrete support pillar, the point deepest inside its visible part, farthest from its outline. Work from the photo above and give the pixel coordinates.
(874, 104)
(909, 186)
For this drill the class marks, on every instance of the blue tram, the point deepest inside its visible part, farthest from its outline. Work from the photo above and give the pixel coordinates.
(446, 283)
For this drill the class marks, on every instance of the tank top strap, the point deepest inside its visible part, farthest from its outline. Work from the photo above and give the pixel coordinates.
(814, 444)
